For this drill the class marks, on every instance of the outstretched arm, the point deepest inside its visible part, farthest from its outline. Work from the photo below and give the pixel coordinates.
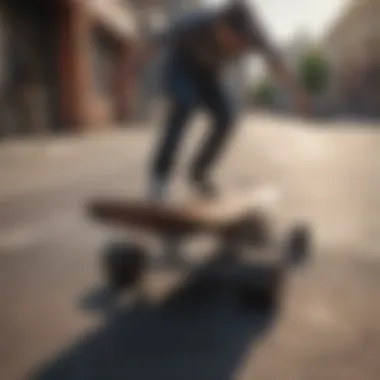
(283, 75)
(277, 65)
(285, 78)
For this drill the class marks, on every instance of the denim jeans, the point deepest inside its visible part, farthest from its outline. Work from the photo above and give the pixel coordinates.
(188, 91)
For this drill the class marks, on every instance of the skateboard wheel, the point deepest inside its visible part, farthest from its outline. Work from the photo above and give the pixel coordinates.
(264, 290)
(258, 230)
(123, 265)
(253, 229)
(298, 246)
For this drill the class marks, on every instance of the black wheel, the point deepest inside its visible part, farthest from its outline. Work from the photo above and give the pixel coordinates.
(254, 229)
(298, 246)
(264, 290)
(123, 265)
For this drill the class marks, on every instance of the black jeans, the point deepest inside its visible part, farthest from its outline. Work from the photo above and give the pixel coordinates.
(188, 91)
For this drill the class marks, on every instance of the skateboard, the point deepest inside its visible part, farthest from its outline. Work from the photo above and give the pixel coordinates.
(256, 259)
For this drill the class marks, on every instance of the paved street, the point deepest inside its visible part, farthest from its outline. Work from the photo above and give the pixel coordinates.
(55, 319)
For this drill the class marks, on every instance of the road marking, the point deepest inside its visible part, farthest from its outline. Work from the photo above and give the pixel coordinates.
(20, 238)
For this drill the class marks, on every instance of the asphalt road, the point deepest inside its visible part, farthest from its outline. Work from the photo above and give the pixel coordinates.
(57, 321)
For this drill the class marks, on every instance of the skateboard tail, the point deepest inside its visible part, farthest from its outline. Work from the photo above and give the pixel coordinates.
(146, 216)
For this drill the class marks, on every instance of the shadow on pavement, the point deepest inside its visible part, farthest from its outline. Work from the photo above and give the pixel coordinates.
(199, 332)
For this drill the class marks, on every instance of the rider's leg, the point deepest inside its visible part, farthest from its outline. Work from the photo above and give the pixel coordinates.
(222, 112)
(182, 95)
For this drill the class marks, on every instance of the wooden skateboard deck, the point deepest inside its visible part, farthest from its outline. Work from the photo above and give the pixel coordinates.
(197, 216)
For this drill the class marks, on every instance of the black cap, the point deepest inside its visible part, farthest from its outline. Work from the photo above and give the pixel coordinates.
(240, 16)
(237, 15)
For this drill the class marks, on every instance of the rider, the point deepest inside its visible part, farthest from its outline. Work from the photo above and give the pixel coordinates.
(200, 46)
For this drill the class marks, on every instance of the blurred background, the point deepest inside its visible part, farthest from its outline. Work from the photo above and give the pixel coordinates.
(64, 63)
(76, 122)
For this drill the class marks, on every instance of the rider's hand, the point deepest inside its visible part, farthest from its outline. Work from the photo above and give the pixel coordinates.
(299, 97)
(301, 101)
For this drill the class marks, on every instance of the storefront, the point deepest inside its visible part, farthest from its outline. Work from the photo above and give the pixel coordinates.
(63, 66)
(94, 58)
(29, 85)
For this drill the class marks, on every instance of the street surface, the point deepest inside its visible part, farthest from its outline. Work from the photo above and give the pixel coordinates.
(56, 322)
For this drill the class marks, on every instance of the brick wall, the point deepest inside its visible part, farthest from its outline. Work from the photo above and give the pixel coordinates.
(83, 106)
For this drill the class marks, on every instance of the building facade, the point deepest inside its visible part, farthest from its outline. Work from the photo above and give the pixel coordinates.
(64, 64)
(94, 40)
(353, 48)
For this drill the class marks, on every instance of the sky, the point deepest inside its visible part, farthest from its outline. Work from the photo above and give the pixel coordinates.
(284, 18)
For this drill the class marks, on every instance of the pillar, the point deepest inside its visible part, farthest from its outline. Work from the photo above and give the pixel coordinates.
(75, 83)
